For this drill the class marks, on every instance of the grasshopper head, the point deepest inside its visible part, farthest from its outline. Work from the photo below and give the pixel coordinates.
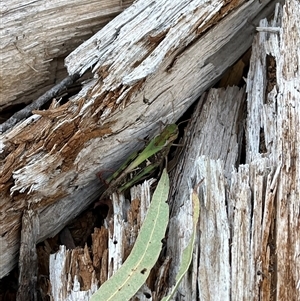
(170, 133)
(166, 137)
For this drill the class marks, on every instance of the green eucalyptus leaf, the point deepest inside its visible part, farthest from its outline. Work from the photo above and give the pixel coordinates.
(135, 270)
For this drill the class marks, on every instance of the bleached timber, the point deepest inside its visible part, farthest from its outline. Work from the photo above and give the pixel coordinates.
(248, 240)
(249, 250)
(49, 161)
(36, 36)
(212, 150)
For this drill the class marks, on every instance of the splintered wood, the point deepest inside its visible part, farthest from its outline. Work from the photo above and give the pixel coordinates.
(212, 149)
(247, 245)
(149, 65)
(111, 245)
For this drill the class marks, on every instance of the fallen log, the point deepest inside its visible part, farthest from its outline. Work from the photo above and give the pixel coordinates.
(247, 244)
(35, 39)
(149, 65)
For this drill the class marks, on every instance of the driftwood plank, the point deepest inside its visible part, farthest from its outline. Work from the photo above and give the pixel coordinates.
(50, 160)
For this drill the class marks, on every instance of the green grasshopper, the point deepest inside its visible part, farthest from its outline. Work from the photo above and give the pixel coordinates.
(142, 163)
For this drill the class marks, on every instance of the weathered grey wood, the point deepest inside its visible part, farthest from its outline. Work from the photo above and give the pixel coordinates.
(212, 151)
(50, 160)
(286, 51)
(248, 240)
(260, 224)
(35, 37)
(28, 265)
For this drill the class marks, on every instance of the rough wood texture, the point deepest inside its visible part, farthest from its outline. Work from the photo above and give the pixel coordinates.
(248, 240)
(171, 51)
(77, 262)
(249, 250)
(111, 246)
(37, 104)
(212, 151)
(28, 257)
(36, 36)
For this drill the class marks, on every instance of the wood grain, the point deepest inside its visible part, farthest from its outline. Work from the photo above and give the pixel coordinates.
(143, 75)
